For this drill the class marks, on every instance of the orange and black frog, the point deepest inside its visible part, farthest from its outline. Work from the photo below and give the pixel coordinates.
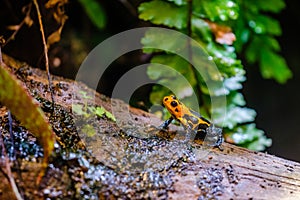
(192, 121)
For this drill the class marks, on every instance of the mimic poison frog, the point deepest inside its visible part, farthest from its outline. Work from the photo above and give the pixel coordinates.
(192, 121)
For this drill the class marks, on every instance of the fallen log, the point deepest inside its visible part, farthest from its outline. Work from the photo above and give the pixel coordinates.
(99, 158)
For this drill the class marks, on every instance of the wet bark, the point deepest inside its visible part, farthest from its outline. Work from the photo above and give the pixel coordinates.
(197, 173)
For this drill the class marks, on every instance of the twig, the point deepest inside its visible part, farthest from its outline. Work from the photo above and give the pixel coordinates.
(11, 134)
(12, 37)
(45, 50)
(8, 172)
(2, 41)
(129, 7)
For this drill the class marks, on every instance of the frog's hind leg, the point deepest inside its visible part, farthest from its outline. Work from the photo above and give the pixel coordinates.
(190, 135)
(219, 142)
(213, 131)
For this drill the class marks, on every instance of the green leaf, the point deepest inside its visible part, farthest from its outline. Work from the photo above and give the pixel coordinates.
(263, 24)
(180, 66)
(252, 52)
(164, 13)
(89, 130)
(154, 38)
(100, 111)
(176, 74)
(234, 83)
(179, 2)
(237, 115)
(271, 42)
(156, 71)
(236, 98)
(201, 29)
(225, 59)
(274, 66)
(274, 6)
(229, 84)
(242, 33)
(180, 86)
(78, 109)
(246, 133)
(95, 12)
(109, 115)
(217, 10)
(84, 95)
(260, 143)
(250, 137)
(15, 97)
(259, 45)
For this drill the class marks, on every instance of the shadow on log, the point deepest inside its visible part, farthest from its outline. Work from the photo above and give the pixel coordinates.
(99, 158)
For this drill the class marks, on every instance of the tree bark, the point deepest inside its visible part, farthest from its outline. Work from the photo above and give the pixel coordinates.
(197, 173)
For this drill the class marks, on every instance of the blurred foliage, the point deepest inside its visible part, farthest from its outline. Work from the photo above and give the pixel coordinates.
(225, 29)
(95, 12)
(256, 35)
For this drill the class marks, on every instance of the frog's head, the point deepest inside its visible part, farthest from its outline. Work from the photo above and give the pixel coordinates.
(173, 105)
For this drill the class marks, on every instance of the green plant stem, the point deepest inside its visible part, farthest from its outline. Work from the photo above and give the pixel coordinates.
(190, 51)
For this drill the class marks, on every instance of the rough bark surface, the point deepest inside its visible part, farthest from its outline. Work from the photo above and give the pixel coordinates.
(198, 173)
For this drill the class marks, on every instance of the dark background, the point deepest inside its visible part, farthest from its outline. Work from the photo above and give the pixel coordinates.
(277, 106)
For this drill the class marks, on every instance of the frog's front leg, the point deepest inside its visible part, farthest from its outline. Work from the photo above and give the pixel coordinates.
(166, 123)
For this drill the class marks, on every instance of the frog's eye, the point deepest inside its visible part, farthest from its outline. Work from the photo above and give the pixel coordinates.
(174, 97)
(174, 104)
